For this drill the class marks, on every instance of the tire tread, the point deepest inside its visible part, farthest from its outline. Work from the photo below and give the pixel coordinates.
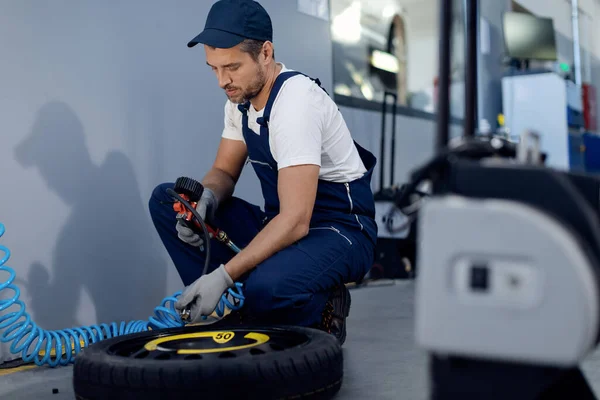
(312, 371)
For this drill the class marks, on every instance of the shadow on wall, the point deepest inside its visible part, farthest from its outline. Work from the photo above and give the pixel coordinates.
(105, 246)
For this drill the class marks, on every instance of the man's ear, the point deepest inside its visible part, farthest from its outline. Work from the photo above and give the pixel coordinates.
(268, 52)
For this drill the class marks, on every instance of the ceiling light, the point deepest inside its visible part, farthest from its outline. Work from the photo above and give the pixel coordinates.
(385, 61)
(346, 26)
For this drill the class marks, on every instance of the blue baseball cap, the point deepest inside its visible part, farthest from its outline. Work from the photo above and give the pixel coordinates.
(229, 22)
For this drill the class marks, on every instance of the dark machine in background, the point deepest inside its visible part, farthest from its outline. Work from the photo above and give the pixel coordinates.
(396, 242)
(396, 237)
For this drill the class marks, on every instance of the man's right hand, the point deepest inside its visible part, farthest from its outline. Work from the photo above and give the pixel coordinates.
(207, 206)
(222, 177)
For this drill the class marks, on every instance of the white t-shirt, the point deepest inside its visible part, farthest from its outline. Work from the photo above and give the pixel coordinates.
(305, 127)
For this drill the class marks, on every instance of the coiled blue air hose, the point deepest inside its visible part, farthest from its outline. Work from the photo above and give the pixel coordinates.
(37, 345)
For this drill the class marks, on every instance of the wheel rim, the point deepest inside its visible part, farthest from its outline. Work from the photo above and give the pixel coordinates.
(201, 344)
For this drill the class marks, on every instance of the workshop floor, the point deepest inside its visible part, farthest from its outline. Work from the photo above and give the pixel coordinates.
(381, 359)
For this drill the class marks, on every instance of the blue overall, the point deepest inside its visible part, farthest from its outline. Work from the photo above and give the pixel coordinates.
(293, 285)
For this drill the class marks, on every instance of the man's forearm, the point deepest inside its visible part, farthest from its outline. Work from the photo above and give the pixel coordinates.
(220, 182)
(281, 232)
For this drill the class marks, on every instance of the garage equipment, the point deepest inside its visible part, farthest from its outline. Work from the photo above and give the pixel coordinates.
(396, 232)
(59, 347)
(508, 294)
(187, 192)
(231, 362)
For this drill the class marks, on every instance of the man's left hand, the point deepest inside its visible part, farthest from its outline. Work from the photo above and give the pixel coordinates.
(202, 296)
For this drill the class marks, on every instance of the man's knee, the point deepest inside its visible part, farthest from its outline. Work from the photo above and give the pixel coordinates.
(160, 198)
(258, 297)
(268, 289)
(160, 195)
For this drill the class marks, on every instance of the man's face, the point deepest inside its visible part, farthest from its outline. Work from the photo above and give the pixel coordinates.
(238, 73)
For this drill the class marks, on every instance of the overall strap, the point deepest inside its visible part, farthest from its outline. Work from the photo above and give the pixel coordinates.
(264, 120)
(244, 108)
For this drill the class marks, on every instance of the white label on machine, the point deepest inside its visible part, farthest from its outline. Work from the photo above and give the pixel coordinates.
(391, 222)
(497, 283)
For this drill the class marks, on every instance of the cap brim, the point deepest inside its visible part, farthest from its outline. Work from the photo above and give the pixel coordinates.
(216, 38)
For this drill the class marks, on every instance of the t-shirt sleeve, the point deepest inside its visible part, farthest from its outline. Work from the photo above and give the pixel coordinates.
(296, 124)
(232, 128)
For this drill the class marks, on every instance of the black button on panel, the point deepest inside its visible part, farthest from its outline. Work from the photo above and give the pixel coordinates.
(480, 277)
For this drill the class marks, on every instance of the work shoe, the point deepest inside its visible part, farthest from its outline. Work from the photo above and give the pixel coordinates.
(334, 315)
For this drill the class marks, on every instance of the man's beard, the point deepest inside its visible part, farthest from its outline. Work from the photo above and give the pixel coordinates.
(251, 91)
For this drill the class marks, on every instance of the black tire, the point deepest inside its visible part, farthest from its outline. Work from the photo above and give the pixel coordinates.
(309, 365)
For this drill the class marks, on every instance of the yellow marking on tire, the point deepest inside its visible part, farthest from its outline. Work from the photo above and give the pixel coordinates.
(218, 336)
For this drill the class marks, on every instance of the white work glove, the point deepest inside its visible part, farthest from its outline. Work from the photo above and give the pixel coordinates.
(202, 296)
(207, 206)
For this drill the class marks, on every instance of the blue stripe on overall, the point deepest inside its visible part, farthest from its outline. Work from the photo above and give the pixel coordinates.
(293, 285)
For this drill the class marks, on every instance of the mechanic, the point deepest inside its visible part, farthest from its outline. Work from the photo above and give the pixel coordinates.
(317, 231)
